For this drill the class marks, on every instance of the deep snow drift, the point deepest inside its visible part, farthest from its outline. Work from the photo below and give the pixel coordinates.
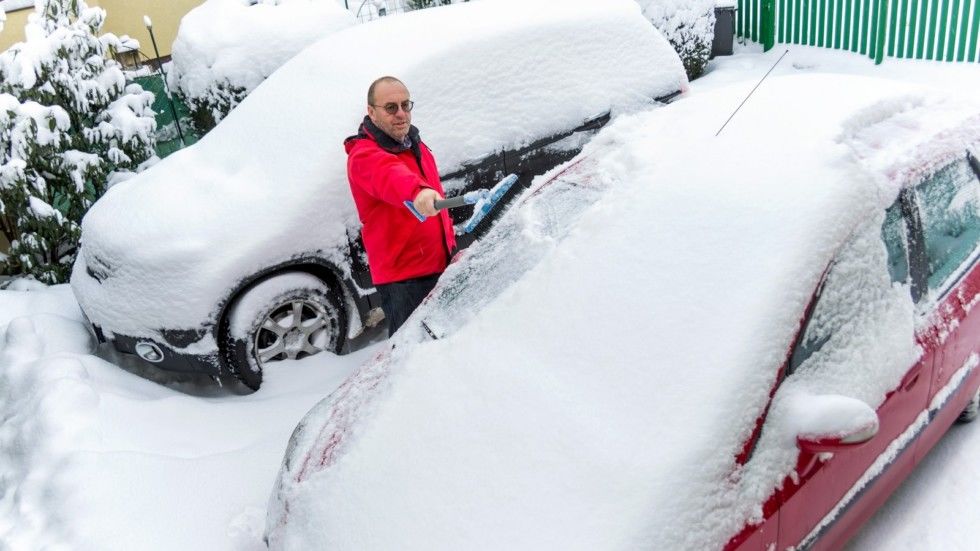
(95, 456)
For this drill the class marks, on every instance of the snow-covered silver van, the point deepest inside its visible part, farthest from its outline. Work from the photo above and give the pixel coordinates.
(244, 248)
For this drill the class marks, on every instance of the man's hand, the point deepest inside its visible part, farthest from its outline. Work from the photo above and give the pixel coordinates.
(425, 201)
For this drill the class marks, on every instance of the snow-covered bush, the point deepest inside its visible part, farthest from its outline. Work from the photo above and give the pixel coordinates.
(68, 125)
(689, 25)
(420, 4)
(225, 48)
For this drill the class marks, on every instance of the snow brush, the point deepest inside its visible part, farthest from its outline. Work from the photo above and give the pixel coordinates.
(483, 199)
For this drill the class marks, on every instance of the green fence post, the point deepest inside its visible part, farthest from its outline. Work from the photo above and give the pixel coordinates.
(838, 21)
(940, 39)
(863, 32)
(783, 22)
(740, 16)
(964, 30)
(905, 29)
(893, 29)
(974, 31)
(931, 35)
(873, 29)
(768, 24)
(881, 17)
(951, 43)
(759, 22)
(821, 20)
(805, 22)
(797, 21)
(921, 40)
(813, 24)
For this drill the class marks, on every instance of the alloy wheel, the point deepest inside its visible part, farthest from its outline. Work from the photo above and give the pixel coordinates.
(292, 330)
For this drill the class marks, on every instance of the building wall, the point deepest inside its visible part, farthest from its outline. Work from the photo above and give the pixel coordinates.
(126, 17)
(122, 17)
(13, 28)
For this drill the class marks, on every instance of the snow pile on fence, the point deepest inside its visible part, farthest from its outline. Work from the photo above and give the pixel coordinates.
(225, 48)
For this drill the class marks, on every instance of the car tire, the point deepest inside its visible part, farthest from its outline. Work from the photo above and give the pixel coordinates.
(290, 315)
(972, 410)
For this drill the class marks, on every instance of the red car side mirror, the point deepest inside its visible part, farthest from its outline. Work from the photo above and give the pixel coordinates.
(834, 444)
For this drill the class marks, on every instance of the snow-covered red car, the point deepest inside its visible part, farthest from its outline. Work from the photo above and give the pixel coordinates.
(676, 340)
(244, 248)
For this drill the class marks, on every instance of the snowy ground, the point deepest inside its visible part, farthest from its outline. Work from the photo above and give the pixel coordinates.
(100, 452)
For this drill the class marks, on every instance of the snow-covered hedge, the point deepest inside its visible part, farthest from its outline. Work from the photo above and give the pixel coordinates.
(420, 4)
(225, 48)
(689, 25)
(69, 125)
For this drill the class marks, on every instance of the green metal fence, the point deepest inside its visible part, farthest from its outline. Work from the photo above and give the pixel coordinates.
(942, 30)
(167, 137)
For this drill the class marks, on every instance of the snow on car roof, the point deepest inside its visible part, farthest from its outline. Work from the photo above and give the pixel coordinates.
(233, 42)
(545, 422)
(270, 181)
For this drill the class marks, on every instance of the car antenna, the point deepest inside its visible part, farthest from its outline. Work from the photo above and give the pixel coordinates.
(750, 93)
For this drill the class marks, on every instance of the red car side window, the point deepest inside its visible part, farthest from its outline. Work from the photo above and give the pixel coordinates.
(950, 205)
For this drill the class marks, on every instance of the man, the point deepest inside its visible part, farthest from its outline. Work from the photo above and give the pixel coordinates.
(387, 164)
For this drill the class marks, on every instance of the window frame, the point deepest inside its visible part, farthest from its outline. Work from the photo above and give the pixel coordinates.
(918, 266)
(917, 246)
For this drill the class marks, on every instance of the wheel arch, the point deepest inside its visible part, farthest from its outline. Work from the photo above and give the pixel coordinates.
(355, 303)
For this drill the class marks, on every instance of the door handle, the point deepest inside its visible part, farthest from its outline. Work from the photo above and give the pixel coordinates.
(910, 380)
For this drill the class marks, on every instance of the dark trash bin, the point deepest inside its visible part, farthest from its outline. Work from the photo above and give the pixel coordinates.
(724, 28)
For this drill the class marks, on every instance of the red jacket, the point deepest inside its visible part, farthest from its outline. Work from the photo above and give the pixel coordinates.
(383, 174)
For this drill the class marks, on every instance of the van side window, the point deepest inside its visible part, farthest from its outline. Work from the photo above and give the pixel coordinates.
(950, 207)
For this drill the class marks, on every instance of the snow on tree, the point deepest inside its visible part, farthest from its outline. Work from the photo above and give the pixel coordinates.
(69, 126)
(420, 4)
(689, 25)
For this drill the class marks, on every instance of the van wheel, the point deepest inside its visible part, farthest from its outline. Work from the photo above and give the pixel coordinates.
(287, 316)
(972, 409)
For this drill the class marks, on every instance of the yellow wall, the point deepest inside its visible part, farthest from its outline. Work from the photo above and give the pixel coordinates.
(13, 28)
(122, 17)
(126, 17)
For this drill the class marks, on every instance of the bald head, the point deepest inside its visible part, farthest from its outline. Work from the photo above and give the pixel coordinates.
(380, 81)
(389, 107)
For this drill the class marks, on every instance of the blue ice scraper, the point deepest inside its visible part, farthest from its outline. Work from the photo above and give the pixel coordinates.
(483, 200)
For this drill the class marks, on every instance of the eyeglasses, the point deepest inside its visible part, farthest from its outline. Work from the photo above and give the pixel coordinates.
(392, 108)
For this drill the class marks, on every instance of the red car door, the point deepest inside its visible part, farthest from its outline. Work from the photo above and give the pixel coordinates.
(932, 236)
(830, 495)
(949, 202)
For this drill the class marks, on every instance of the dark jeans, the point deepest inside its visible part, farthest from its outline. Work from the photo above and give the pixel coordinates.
(400, 298)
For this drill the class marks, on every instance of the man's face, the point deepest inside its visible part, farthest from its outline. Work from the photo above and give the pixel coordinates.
(387, 94)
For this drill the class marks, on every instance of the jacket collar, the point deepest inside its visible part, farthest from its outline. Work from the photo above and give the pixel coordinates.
(371, 131)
